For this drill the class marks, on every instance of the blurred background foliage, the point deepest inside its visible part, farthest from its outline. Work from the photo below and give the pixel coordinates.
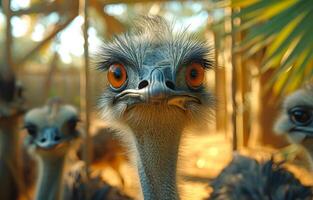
(105, 20)
(283, 30)
(48, 36)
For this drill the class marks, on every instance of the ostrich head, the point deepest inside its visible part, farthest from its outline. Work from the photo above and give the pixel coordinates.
(296, 119)
(155, 91)
(52, 130)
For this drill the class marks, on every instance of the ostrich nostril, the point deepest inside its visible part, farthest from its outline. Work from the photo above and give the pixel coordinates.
(143, 84)
(57, 138)
(170, 85)
(43, 140)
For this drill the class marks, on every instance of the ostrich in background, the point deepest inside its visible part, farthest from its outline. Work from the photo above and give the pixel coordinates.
(11, 108)
(245, 178)
(53, 141)
(296, 119)
(156, 91)
(107, 151)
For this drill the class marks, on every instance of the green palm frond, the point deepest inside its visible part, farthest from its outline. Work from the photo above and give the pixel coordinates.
(285, 29)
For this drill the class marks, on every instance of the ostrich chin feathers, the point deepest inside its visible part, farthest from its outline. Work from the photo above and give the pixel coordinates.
(144, 116)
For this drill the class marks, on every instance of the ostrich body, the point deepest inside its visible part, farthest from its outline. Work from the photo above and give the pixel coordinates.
(11, 107)
(108, 152)
(246, 179)
(53, 140)
(155, 93)
(296, 119)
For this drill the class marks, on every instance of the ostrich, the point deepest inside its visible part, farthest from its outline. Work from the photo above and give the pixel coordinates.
(53, 141)
(11, 108)
(155, 93)
(246, 179)
(296, 119)
(108, 151)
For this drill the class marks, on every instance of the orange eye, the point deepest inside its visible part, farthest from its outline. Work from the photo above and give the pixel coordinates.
(194, 75)
(117, 75)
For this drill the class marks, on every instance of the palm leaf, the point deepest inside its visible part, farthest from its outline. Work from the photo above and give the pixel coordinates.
(284, 29)
(271, 27)
(295, 34)
(262, 11)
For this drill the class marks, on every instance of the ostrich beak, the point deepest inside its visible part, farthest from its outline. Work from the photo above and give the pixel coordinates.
(158, 92)
(50, 139)
(308, 131)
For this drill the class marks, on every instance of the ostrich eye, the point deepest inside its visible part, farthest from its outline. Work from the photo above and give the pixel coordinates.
(72, 123)
(194, 75)
(117, 75)
(300, 116)
(31, 129)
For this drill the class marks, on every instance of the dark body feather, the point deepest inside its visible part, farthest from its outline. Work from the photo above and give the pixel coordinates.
(246, 179)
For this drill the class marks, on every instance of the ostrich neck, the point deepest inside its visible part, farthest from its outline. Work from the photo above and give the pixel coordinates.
(8, 138)
(157, 151)
(49, 182)
(310, 156)
(308, 147)
(8, 158)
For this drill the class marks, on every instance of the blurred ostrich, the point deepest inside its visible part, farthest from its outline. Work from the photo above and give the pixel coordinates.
(246, 179)
(156, 91)
(11, 108)
(53, 140)
(296, 119)
(108, 152)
